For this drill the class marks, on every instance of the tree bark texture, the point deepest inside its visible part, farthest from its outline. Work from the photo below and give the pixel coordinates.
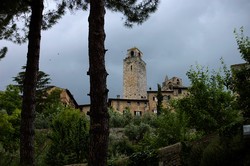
(29, 87)
(99, 120)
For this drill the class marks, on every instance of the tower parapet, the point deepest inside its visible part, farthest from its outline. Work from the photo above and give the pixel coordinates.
(134, 52)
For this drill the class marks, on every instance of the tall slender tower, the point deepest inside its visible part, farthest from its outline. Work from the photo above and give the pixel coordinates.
(134, 75)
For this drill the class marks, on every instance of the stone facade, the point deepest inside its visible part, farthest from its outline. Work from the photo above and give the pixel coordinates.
(171, 84)
(84, 108)
(240, 66)
(65, 96)
(136, 98)
(134, 75)
(175, 93)
(142, 106)
(137, 107)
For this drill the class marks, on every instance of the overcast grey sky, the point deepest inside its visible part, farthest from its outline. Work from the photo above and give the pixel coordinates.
(181, 33)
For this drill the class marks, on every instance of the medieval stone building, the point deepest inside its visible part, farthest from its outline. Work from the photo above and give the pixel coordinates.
(134, 75)
(66, 96)
(136, 98)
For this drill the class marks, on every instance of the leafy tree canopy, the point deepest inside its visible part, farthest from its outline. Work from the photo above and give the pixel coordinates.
(9, 140)
(243, 44)
(15, 17)
(3, 52)
(134, 11)
(43, 80)
(10, 99)
(241, 74)
(209, 104)
(69, 138)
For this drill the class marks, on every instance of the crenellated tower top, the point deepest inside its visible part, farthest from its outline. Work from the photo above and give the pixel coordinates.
(134, 52)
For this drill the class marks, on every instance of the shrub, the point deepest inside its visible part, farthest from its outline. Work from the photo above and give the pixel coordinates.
(69, 138)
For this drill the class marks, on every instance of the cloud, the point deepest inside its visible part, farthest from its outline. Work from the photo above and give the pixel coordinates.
(179, 34)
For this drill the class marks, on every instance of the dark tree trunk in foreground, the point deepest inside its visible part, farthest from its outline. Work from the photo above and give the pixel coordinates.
(99, 129)
(29, 87)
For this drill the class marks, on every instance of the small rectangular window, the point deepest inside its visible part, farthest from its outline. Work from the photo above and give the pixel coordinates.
(137, 113)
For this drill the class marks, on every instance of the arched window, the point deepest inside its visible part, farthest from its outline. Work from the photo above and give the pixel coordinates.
(178, 82)
(132, 53)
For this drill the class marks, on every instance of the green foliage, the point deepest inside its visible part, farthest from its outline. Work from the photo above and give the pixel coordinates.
(10, 99)
(116, 119)
(10, 105)
(42, 87)
(48, 104)
(127, 116)
(135, 132)
(9, 130)
(150, 119)
(192, 154)
(210, 107)
(50, 107)
(223, 152)
(42, 145)
(241, 81)
(172, 127)
(144, 158)
(69, 138)
(243, 44)
(134, 11)
(242, 86)
(159, 100)
(11, 11)
(214, 154)
(209, 104)
(216, 150)
(133, 138)
(43, 82)
(3, 52)
(9, 140)
(8, 158)
(119, 162)
(119, 146)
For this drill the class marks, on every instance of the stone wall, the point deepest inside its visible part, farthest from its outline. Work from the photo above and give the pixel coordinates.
(170, 155)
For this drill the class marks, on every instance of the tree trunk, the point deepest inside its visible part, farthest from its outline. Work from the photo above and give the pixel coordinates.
(99, 129)
(29, 87)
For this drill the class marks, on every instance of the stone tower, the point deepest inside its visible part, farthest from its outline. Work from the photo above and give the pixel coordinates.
(134, 75)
